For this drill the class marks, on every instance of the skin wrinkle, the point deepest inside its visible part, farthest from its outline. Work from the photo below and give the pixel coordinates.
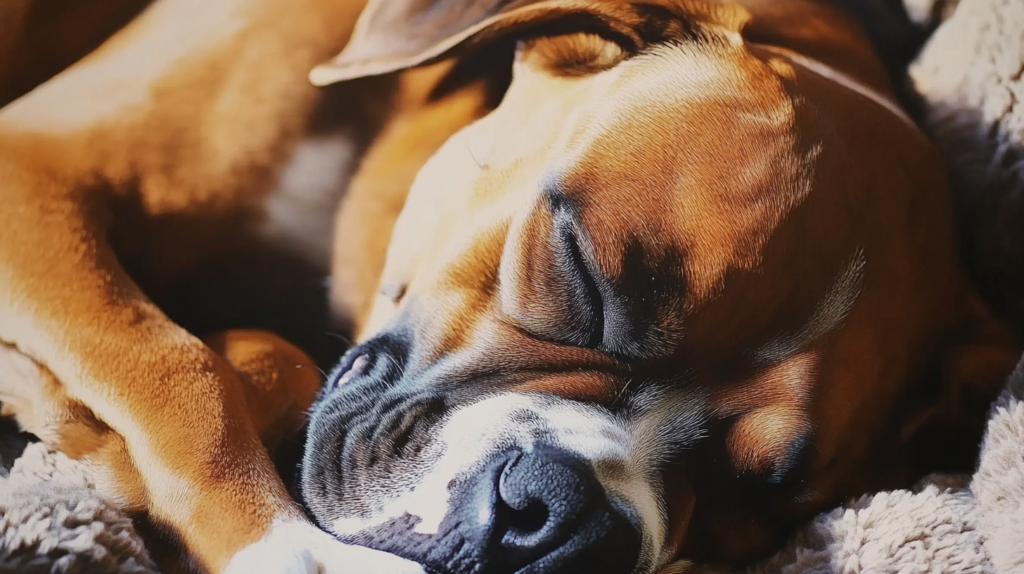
(828, 314)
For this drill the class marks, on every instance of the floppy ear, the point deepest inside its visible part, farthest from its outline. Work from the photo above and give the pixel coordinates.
(973, 370)
(394, 34)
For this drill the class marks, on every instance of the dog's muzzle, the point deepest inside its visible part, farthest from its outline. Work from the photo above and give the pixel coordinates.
(539, 511)
(383, 470)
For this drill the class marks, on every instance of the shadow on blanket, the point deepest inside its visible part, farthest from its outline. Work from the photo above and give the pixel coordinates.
(968, 83)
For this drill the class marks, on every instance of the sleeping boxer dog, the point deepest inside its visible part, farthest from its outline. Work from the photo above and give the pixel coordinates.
(693, 280)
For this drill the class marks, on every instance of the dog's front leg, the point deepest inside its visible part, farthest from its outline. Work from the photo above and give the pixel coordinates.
(187, 111)
(279, 383)
(66, 304)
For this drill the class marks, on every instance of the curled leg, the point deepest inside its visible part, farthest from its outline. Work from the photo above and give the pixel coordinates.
(278, 383)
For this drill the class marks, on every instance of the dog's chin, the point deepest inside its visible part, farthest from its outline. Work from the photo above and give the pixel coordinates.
(509, 483)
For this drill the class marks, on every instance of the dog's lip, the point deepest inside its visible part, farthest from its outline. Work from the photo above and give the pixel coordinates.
(358, 367)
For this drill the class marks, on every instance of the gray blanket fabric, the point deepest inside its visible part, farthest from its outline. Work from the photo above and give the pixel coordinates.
(970, 78)
(53, 521)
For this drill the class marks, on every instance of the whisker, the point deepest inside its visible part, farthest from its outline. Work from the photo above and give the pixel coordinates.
(398, 366)
(622, 391)
(473, 155)
(339, 337)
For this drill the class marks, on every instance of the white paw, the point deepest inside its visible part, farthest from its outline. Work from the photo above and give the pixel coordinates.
(300, 548)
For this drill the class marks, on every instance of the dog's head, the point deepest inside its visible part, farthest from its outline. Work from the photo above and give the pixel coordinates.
(665, 300)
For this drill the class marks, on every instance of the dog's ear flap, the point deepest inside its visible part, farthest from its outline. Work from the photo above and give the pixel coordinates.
(395, 34)
(973, 369)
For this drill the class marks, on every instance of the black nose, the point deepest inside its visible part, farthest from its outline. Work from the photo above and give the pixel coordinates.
(541, 497)
(538, 511)
(549, 513)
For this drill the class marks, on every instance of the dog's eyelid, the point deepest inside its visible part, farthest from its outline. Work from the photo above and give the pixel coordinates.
(574, 54)
(575, 254)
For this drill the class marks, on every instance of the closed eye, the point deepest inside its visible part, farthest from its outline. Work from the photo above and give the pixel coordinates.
(576, 54)
(574, 267)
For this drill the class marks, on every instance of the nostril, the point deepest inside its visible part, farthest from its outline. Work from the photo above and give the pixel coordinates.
(528, 520)
(358, 367)
(541, 495)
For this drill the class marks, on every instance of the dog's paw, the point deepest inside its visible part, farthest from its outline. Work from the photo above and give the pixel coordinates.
(301, 548)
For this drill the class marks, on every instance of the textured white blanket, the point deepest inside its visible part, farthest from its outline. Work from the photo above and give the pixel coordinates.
(52, 521)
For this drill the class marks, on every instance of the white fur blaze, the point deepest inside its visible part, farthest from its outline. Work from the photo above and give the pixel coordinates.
(296, 547)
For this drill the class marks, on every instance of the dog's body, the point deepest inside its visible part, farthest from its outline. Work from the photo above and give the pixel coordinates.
(186, 135)
(772, 329)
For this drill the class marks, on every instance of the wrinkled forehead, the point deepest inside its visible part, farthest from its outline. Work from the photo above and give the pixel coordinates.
(689, 148)
(679, 106)
(683, 147)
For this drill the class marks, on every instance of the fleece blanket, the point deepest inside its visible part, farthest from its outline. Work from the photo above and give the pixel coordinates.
(969, 79)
